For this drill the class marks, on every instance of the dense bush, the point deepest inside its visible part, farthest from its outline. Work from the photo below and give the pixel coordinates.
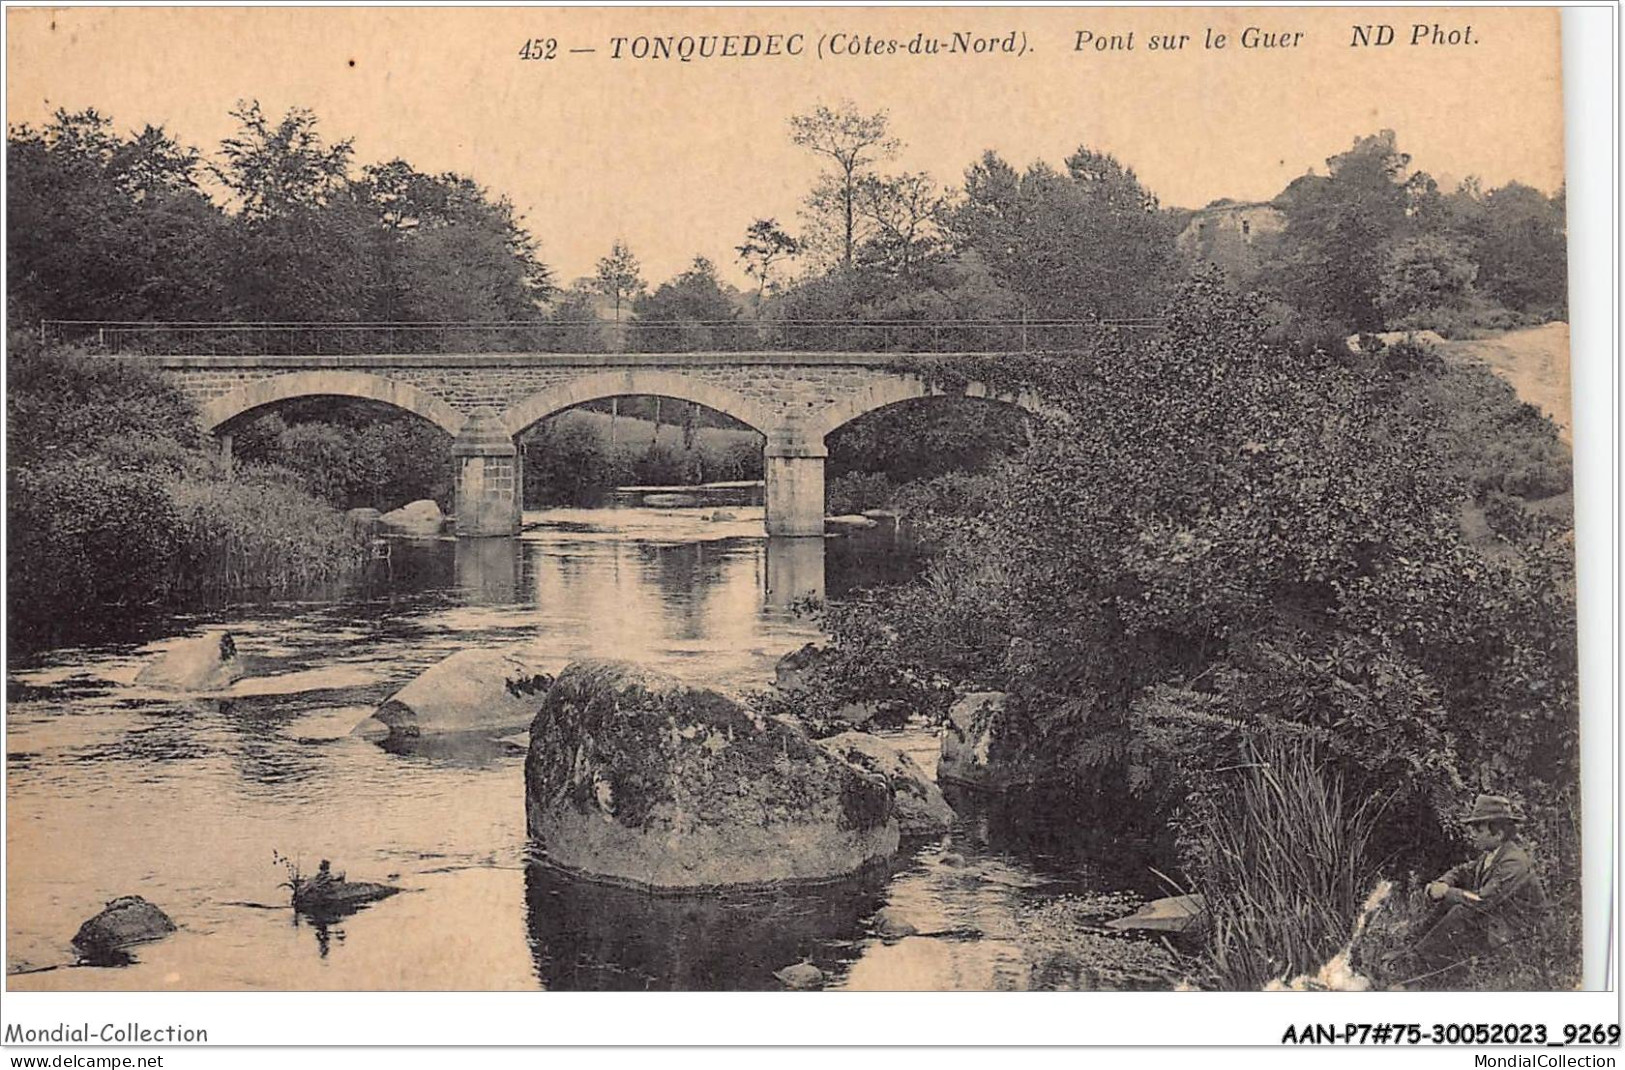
(351, 454)
(854, 492)
(116, 505)
(255, 533)
(1279, 536)
(576, 459)
(82, 538)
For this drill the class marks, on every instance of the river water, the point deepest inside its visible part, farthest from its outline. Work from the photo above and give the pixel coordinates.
(187, 800)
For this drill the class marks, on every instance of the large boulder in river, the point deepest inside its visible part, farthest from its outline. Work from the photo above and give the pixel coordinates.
(421, 518)
(975, 750)
(638, 778)
(921, 810)
(207, 662)
(126, 921)
(469, 691)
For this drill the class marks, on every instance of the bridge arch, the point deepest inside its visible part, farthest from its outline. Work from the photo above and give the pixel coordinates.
(637, 381)
(893, 389)
(348, 384)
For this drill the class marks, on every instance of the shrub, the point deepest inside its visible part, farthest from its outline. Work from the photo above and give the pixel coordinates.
(856, 491)
(82, 538)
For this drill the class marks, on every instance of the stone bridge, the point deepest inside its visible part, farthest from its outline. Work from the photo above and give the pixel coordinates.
(485, 400)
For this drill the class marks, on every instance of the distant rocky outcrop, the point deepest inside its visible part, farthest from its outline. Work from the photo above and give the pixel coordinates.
(205, 663)
(921, 810)
(636, 777)
(126, 921)
(469, 691)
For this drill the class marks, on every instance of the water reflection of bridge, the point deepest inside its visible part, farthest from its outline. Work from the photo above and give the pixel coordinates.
(491, 571)
(794, 382)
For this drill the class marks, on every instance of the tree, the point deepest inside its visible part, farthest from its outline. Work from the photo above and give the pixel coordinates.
(454, 252)
(1228, 529)
(765, 245)
(681, 315)
(273, 169)
(104, 226)
(1521, 245)
(1425, 273)
(853, 143)
(304, 244)
(618, 276)
(1340, 230)
(1086, 243)
(905, 214)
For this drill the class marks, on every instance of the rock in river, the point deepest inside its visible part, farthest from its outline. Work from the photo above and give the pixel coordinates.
(801, 977)
(469, 691)
(973, 752)
(420, 518)
(127, 920)
(207, 662)
(638, 778)
(921, 810)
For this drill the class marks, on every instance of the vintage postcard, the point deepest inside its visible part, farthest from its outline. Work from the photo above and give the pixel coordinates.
(772, 499)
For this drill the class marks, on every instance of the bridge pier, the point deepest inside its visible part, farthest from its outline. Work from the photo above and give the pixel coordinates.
(795, 487)
(490, 480)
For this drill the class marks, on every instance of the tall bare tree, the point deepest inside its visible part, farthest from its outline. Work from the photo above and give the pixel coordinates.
(853, 143)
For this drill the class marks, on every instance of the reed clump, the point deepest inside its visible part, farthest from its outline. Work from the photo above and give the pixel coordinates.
(1286, 866)
(252, 535)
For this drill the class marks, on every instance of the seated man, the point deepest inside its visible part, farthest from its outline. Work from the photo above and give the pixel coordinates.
(1486, 903)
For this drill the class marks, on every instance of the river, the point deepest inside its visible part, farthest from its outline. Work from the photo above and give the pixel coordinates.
(187, 800)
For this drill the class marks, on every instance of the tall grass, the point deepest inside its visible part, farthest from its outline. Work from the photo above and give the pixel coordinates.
(1287, 867)
(237, 536)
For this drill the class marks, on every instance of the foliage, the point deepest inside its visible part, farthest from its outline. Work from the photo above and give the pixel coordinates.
(1374, 244)
(108, 227)
(1424, 274)
(1285, 865)
(1277, 532)
(1521, 245)
(352, 454)
(115, 500)
(115, 227)
(925, 439)
(63, 404)
(81, 538)
(1087, 243)
(253, 533)
(1339, 229)
(854, 492)
(570, 460)
(904, 216)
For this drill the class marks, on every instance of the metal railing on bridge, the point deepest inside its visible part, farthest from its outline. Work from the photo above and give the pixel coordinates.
(204, 338)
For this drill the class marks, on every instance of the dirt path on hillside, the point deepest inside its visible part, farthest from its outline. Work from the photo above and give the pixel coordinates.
(1535, 362)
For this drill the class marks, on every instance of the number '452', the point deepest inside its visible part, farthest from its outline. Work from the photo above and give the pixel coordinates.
(540, 48)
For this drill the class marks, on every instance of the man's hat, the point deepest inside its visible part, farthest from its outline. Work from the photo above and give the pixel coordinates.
(1491, 808)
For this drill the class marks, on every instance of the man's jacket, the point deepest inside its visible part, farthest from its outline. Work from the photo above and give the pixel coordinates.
(1511, 904)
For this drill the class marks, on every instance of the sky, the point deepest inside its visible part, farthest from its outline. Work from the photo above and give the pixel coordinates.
(677, 159)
